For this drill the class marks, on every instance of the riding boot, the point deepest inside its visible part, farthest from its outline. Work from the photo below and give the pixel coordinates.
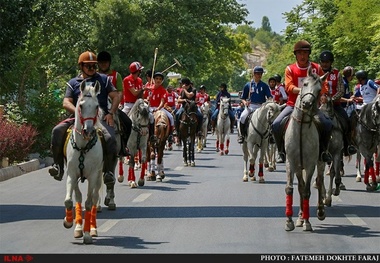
(213, 125)
(170, 137)
(325, 156)
(152, 137)
(349, 148)
(232, 125)
(279, 139)
(108, 167)
(57, 168)
(241, 132)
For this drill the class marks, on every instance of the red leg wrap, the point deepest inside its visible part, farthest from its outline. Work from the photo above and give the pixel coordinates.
(289, 205)
(305, 212)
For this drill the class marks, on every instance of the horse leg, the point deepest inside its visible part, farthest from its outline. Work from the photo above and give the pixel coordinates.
(358, 168)
(245, 159)
(192, 152)
(120, 178)
(217, 144)
(93, 224)
(306, 203)
(321, 193)
(227, 146)
(184, 152)
(131, 175)
(289, 224)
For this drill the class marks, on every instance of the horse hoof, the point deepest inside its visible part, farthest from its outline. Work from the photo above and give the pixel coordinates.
(87, 239)
(120, 179)
(358, 179)
(107, 201)
(99, 209)
(266, 165)
(245, 178)
(342, 186)
(299, 222)
(270, 169)
(141, 182)
(93, 232)
(289, 225)
(185, 164)
(112, 207)
(261, 180)
(192, 164)
(253, 178)
(226, 152)
(67, 224)
(132, 184)
(78, 232)
(307, 226)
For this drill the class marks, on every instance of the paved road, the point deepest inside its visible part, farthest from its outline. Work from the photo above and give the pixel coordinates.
(202, 209)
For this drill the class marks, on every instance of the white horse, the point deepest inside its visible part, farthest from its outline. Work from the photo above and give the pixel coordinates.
(302, 153)
(223, 127)
(138, 141)
(201, 141)
(257, 139)
(84, 160)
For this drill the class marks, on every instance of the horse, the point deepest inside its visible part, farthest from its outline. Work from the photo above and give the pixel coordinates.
(202, 140)
(301, 146)
(187, 132)
(270, 156)
(257, 139)
(137, 141)
(84, 161)
(223, 127)
(335, 148)
(367, 139)
(156, 150)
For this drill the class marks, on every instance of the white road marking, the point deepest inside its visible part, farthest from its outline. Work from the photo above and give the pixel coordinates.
(355, 220)
(141, 197)
(178, 168)
(107, 225)
(336, 199)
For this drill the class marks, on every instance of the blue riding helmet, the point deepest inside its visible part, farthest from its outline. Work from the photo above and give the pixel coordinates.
(258, 69)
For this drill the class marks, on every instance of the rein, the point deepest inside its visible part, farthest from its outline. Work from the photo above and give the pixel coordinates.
(83, 151)
(267, 130)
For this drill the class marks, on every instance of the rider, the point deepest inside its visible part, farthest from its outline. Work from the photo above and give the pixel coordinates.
(294, 74)
(222, 93)
(255, 93)
(104, 64)
(280, 94)
(348, 75)
(133, 89)
(88, 64)
(336, 90)
(188, 93)
(367, 89)
(157, 101)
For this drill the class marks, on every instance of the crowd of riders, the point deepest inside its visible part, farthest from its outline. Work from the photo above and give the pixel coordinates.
(119, 94)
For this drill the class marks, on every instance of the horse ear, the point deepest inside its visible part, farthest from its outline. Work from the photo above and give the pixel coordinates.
(323, 78)
(82, 86)
(97, 87)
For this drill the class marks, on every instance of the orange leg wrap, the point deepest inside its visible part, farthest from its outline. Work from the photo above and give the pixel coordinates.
(87, 220)
(78, 213)
(69, 215)
(93, 217)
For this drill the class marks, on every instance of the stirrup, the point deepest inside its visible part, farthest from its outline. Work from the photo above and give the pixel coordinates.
(153, 139)
(170, 138)
(240, 139)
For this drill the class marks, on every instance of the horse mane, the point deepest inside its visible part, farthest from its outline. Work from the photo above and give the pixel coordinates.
(190, 106)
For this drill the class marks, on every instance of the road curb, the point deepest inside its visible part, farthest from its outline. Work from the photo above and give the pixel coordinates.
(19, 169)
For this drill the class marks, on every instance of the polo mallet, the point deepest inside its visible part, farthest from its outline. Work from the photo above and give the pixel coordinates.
(176, 63)
(154, 64)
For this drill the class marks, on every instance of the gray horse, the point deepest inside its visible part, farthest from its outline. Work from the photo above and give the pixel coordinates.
(301, 146)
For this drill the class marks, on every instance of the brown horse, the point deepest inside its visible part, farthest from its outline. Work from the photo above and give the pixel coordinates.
(156, 150)
(187, 132)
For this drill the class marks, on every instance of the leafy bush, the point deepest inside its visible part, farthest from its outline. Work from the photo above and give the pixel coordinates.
(16, 140)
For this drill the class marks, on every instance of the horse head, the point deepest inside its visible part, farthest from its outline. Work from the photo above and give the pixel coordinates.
(224, 105)
(273, 110)
(310, 91)
(87, 109)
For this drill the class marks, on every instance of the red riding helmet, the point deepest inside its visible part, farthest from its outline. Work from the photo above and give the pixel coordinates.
(135, 66)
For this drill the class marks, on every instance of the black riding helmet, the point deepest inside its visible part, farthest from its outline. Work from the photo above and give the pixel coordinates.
(272, 78)
(104, 56)
(277, 77)
(326, 56)
(202, 87)
(361, 74)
